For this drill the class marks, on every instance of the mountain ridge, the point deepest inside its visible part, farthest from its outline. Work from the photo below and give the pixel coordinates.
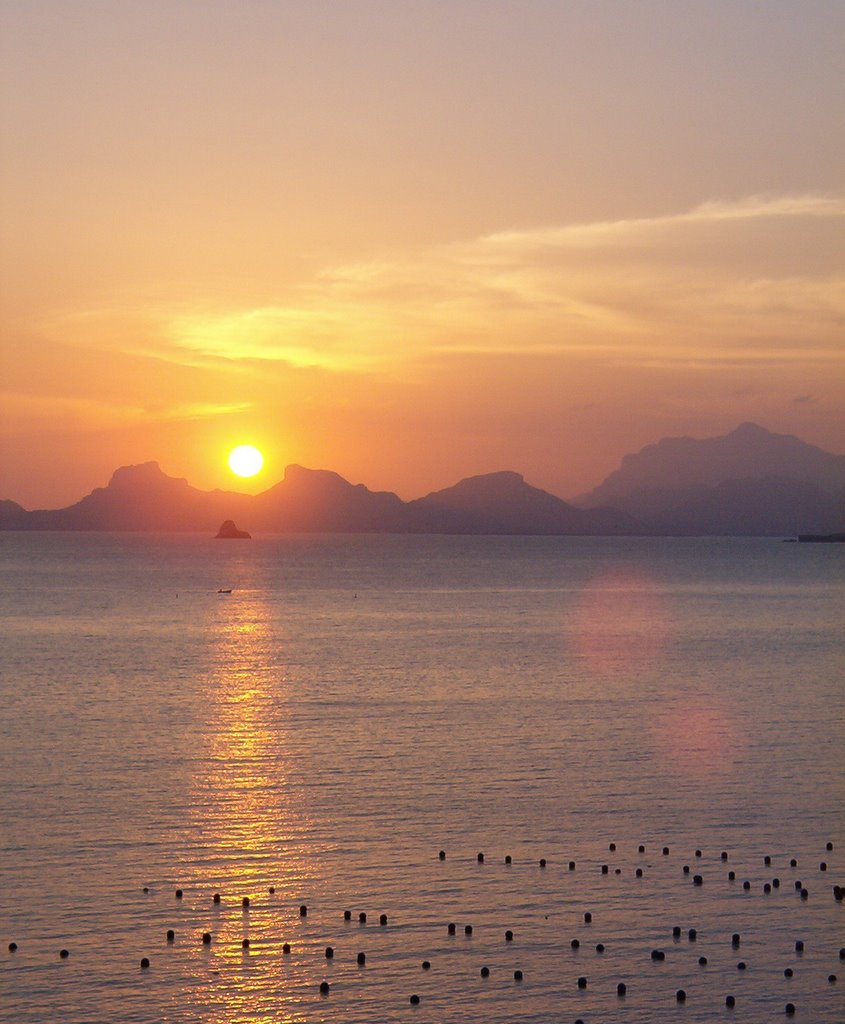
(749, 481)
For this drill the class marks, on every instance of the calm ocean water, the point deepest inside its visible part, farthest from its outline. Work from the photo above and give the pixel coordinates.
(357, 704)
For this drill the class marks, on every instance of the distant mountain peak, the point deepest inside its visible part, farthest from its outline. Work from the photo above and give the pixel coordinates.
(139, 475)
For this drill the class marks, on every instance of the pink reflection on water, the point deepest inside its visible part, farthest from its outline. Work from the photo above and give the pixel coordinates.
(621, 622)
(699, 737)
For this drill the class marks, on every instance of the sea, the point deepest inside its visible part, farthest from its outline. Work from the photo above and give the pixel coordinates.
(579, 763)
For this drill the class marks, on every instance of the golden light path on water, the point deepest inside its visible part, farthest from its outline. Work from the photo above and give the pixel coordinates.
(248, 824)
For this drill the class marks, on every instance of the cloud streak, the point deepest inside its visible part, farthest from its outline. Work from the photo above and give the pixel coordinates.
(757, 278)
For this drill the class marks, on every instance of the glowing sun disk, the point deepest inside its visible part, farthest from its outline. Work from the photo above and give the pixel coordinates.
(245, 460)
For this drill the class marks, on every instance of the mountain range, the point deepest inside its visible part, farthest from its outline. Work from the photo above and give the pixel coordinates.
(747, 482)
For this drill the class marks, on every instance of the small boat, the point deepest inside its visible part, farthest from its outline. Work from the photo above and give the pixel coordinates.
(222, 591)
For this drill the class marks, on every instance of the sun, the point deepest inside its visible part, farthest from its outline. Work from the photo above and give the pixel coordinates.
(245, 460)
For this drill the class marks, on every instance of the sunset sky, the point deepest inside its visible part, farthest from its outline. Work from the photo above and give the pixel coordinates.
(412, 241)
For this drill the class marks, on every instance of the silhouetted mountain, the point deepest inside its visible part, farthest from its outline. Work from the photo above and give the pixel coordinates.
(139, 498)
(748, 452)
(749, 481)
(505, 503)
(319, 501)
(143, 498)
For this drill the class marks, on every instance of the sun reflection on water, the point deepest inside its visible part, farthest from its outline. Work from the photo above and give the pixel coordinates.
(247, 825)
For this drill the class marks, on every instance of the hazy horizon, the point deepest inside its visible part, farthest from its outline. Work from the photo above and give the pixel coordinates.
(262, 483)
(414, 242)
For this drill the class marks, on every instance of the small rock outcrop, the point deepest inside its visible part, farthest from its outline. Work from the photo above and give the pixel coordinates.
(228, 531)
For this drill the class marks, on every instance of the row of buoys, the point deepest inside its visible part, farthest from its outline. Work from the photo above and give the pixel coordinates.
(767, 859)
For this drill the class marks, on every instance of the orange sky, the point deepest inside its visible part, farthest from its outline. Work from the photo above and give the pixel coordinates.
(414, 241)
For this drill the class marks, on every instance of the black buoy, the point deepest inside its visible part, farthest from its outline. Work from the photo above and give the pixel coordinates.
(508, 936)
(604, 869)
(362, 917)
(245, 902)
(746, 885)
(767, 860)
(692, 934)
(724, 854)
(641, 848)
(272, 890)
(789, 1009)
(832, 979)
(286, 948)
(329, 952)
(788, 972)
(582, 982)
(735, 939)
(415, 1000)
(382, 919)
(347, 915)
(776, 883)
(621, 988)
(64, 954)
(480, 858)
(842, 953)
(639, 872)
(442, 855)
(171, 935)
(741, 965)
(12, 947)
(829, 847)
(517, 975)
(730, 1002)
(697, 880)
(793, 863)
(575, 944)
(206, 938)
(542, 862)
(145, 963)
(676, 931)
(324, 988)
(767, 888)
(572, 865)
(178, 894)
(698, 853)
(702, 961)
(467, 929)
(804, 894)
(612, 847)
(245, 943)
(599, 947)
(799, 946)
(686, 869)
(731, 876)
(508, 859)
(485, 972)
(665, 851)
(146, 889)
(303, 911)
(362, 959)
(680, 995)
(588, 917)
(426, 965)
(451, 928)
(823, 866)
(215, 898)
(658, 955)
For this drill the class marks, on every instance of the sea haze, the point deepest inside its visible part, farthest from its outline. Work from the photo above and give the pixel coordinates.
(357, 704)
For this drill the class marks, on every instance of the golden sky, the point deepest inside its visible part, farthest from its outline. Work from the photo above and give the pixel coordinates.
(412, 241)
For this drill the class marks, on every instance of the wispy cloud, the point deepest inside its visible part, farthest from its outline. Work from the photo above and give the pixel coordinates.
(726, 277)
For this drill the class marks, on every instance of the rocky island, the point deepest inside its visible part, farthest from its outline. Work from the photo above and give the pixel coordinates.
(228, 531)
